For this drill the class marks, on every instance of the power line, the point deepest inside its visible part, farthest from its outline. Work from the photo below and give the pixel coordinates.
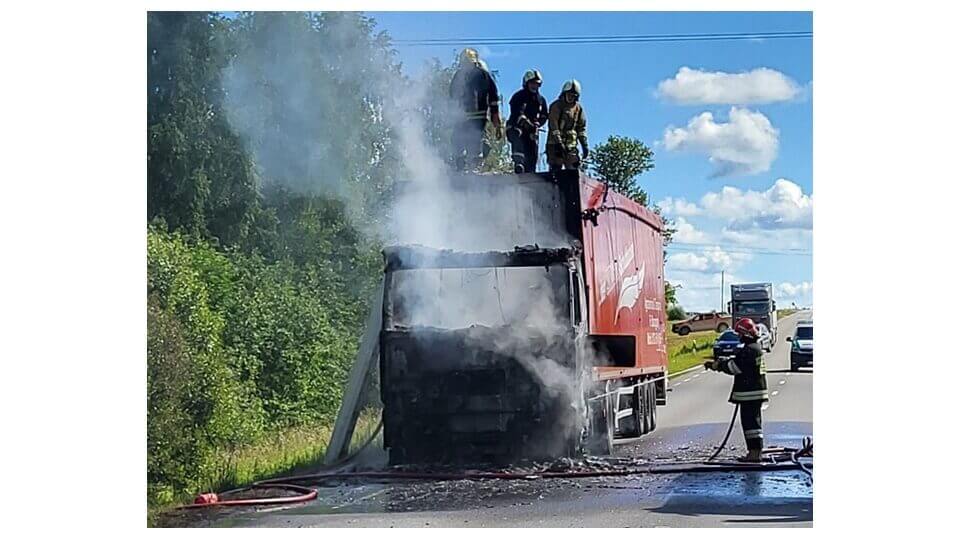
(579, 40)
(704, 248)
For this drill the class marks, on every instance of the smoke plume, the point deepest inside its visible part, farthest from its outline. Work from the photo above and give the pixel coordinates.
(330, 114)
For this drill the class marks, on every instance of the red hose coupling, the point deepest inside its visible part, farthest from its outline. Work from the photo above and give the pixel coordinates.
(206, 498)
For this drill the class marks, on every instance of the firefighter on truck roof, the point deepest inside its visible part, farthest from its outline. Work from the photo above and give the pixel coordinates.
(749, 384)
(528, 111)
(475, 92)
(567, 125)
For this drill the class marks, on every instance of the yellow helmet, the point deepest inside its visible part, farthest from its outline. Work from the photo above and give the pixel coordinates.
(469, 56)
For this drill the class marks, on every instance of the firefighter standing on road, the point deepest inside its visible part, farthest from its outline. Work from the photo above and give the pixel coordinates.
(567, 125)
(475, 92)
(528, 111)
(749, 385)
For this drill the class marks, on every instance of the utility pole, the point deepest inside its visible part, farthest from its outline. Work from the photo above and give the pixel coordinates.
(721, 292)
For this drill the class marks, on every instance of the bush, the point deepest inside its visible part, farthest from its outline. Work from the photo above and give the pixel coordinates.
(238, 348)
(676, 313)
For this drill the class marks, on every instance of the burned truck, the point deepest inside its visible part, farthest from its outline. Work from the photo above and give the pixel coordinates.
(540, 334)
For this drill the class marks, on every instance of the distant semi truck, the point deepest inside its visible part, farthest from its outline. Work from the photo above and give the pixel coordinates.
(755, 300)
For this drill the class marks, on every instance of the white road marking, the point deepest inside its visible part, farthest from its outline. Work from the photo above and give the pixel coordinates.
(764, 407)
(697, 375)
(685, 380)
(775, 392)
(783, 382)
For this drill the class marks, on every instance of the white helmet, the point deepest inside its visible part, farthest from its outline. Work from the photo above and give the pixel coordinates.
(572, 85)
(532, 75)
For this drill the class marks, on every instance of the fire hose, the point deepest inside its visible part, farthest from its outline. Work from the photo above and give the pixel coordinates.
(791, 462)
(206, 500)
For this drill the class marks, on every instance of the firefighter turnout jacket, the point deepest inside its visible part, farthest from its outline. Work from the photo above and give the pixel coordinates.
(749, 374)
(527, 107)
(567, 125)
(475, 91)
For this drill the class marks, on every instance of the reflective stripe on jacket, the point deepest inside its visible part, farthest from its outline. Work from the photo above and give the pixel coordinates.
(749, 374)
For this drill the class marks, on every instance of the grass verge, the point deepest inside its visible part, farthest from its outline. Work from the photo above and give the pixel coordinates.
(291, 451)
(684, 352)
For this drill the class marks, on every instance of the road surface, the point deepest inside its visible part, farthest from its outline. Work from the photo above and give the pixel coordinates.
(693, 422)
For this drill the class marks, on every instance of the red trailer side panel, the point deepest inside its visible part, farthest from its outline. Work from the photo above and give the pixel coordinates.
(623, 255)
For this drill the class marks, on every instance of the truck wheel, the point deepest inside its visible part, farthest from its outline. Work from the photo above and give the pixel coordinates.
(722, 327)
(644, 412)
(684, 330)
(653, 408)
(636, 419)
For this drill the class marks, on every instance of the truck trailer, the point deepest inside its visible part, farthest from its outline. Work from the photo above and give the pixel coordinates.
(540, 339)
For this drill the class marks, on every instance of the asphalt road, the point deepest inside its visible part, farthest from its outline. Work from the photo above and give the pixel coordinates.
(693, 422)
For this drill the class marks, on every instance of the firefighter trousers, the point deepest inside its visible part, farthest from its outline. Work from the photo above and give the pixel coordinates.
(524, 149)
(559, 157)
(750, 421)
(467, 141)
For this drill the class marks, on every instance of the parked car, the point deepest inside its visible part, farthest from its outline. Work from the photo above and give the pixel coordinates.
(718, 322)
(801, 350)
(726, 345)
(766, 338)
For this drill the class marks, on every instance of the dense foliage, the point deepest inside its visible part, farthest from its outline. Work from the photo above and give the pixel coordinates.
(257, 284)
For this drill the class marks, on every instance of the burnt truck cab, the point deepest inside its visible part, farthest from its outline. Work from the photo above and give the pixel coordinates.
(480, 354)
(497, 350)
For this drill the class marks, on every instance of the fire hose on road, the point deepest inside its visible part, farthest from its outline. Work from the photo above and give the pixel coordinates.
(774, 459)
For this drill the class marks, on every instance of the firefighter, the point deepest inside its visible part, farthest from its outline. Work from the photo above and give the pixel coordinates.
(749, 384)
(528, 111)
(475, 93)
(567, 124)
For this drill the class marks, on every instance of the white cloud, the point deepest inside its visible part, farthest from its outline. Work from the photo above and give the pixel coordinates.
(712, 259)
(746, 144)
(697, 87)
(794, 293)
(794, 239)
(782, 206)
(687, 233)
(700, 291)
(678, 207)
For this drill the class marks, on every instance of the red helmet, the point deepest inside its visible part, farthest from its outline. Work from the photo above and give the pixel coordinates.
(746, 327)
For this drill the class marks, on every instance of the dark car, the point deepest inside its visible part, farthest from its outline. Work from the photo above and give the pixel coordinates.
(801, 351)
(726, 345)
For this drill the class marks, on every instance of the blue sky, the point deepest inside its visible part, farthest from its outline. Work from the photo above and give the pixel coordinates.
(725, 169)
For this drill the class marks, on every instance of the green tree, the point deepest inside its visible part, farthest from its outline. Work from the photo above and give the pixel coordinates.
(199, 177)
(618, 162)
(669, 293)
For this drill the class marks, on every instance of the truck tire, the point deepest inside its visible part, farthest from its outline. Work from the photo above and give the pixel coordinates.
(653, 408)
(636, 419)
(684, 330)
(722, 327)
(644, 406)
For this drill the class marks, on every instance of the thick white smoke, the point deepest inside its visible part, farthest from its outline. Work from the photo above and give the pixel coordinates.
(288, 100)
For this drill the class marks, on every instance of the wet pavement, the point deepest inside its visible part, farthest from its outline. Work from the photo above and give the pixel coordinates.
(693, 422)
